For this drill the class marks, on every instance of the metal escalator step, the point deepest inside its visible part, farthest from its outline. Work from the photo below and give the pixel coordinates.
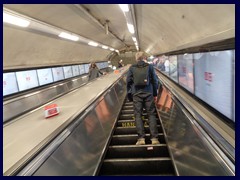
(132, 129)
(132, 139)
(128, 111)
(137, 166)
(134, 151)
(126, 116)
(131, 122)
(127, 107)
(128, 103)
(131, 116)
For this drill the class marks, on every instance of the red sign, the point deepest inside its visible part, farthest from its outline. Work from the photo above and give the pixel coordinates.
(208, 76)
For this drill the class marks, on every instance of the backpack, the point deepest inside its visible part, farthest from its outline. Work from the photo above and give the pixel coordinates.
(141, 75)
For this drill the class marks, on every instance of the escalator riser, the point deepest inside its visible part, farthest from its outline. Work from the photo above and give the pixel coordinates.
(133, 130)
(127, 107)
(128, 104)
(128, 111)
(131, 116)
(137, 152)
(131, 123)
(131, 140)
(161, 167)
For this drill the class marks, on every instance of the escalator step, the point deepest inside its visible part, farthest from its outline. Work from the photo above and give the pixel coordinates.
(132, 139)
(132, 129)
(134, 151)
(137, 166)
(128, 104)
(127, 122)
(128, 111)
(131, 116)
(127, 107)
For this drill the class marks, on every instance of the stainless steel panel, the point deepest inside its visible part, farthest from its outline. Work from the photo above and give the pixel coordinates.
(81, 152)
(190, 151)
(47, 95)
(18, 107)
(120, 89)
(107, 111)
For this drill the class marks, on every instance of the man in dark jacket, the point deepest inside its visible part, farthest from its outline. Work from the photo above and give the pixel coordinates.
(144, 95)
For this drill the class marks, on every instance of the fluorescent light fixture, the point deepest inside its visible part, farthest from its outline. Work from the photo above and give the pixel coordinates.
(134, 39)
(117, 51)
(111, 49)
(104, 47)
(68, 36)
(124, 7)
(91, 43)
(7, 18)
(130, 28)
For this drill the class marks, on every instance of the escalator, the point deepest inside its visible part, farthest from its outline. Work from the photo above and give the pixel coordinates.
(123, 157)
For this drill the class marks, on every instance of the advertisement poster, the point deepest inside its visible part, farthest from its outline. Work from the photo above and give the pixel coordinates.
(185, 71)
(27, 79)
(9, 83)
(45, 76)
(57, 74)
(214, 80)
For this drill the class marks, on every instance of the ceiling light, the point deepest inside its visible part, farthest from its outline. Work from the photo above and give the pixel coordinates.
(104, 47)
(130, 28)
(124, 7)
(68, 36)
(111, 49)
(91, 43)
(134, 39)
(7, 18)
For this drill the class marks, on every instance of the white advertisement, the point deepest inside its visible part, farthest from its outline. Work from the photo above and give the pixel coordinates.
(185, 71)
(82, 69)
(67, 71)
(214, 80)
(173, 73)
(45, 76)
(86, 67)
(75, 70)
(9, 83)
(27, 79)
(57, 74)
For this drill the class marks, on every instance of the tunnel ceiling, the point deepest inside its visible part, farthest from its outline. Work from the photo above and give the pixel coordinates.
(161, 28)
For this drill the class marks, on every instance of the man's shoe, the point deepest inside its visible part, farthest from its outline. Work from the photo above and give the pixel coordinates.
(140, 141)
(155, 141)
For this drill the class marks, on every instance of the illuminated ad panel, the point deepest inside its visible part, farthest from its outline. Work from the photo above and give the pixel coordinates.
(57, 74)
(86, 67)
(27, 79)
(82, 69)
(185, 71)
(45, 76)
(213, 80)
(9, 83)
(166, 65)
(75, 70)
(67, 71)
(173, 73)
